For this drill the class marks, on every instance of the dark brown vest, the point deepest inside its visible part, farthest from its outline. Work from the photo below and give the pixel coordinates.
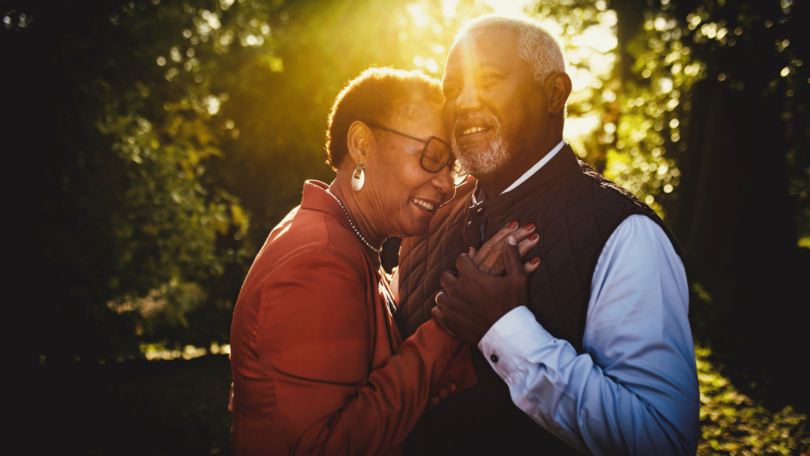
(575, 210)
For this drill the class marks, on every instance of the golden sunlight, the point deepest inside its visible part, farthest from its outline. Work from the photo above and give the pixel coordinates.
(508, 6)
(425, 37)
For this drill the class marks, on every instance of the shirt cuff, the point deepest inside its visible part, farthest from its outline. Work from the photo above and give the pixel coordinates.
(512, 339)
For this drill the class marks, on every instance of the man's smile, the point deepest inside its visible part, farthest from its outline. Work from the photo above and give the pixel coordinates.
(472, 130)
(473, 134)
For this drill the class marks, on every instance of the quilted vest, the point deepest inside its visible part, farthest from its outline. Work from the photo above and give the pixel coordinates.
(575, 210)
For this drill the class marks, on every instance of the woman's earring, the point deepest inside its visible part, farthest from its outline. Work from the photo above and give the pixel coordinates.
(359, 177)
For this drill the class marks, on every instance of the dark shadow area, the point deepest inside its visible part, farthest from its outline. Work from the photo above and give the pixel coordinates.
(131, 408)
(757, 331)
(390, 253)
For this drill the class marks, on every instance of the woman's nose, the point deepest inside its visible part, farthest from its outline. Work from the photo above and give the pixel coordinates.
(443, 180)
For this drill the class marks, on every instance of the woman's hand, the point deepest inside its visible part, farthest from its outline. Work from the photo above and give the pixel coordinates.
(473, 301)
(490, 258)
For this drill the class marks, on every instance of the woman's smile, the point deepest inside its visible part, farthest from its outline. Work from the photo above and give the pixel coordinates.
(425, 207)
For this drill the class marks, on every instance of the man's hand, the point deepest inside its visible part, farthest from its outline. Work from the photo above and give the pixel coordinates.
(473, 300)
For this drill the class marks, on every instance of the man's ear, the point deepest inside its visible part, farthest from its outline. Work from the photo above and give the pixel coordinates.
(359, 141)
(558, 88)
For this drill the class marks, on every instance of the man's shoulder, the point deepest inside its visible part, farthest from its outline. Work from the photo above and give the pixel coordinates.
(586, 194)
(605, 191)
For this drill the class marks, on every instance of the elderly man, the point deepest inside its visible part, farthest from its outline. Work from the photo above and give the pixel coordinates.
(598, 358)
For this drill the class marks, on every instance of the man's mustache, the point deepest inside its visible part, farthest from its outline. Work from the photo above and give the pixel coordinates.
(488, 118)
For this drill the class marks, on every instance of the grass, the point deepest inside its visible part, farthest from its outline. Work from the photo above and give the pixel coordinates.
(179, 407)
(733, 424)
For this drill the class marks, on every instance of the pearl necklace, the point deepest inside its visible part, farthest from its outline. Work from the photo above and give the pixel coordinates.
(356, 231)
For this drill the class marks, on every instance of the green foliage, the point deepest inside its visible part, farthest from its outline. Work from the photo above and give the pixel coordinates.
(745, 46)
(127, 230)
(620, 121)
(642, 111)
(653, 113)
(180, 132)
(732, 424)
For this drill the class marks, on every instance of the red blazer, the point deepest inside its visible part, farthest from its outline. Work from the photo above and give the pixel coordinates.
(318, 364)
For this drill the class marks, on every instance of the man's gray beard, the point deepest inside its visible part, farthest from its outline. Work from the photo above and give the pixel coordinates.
(480, 163)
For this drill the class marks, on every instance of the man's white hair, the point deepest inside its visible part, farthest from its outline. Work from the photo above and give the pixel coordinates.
(536, 45)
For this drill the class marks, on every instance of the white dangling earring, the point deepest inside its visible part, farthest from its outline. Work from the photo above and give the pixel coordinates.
(359, 177)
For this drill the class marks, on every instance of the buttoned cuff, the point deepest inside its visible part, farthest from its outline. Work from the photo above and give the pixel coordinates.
(512, 339)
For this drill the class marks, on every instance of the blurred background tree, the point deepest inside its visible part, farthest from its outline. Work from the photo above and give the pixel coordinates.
(152, 145)
(710, 122)
(163, 141)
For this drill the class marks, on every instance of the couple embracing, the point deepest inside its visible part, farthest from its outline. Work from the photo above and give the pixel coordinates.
(538, 307)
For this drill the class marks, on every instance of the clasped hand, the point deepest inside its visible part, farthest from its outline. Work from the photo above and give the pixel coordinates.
(480, 293)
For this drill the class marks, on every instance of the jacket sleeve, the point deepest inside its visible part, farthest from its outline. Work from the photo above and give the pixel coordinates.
(315, 336)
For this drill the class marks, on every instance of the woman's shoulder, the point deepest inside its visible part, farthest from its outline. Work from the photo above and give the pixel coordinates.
(313, 259)
(306, 233)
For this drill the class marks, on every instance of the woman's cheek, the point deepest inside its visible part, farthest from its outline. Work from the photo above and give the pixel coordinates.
(415, 176)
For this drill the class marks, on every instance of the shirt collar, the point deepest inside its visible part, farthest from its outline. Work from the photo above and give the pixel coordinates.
(536, 167)
(556, 168)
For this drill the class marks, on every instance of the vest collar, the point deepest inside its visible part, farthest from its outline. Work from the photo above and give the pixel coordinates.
(555, 169)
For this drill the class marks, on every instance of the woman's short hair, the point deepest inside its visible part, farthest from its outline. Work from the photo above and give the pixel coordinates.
(377, 95)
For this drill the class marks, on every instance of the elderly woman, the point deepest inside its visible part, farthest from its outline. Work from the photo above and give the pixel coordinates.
(318, 365)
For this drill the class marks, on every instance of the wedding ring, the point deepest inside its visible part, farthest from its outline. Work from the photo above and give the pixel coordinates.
(436, 299)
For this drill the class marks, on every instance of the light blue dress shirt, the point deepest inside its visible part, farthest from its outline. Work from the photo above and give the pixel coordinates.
(635, 389)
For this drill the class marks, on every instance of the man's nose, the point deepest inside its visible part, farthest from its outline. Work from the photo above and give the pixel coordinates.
(468, 99)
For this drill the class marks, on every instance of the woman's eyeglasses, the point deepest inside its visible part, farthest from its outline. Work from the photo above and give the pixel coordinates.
(435, 155)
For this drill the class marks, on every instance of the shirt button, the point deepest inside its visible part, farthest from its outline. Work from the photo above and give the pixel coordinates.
(480, 211)
(434, 400)
(452, 387)
(469, 223)
(443, 393)
(494, 358)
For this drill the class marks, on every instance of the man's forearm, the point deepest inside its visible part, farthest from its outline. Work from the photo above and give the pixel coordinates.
(572, 397)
